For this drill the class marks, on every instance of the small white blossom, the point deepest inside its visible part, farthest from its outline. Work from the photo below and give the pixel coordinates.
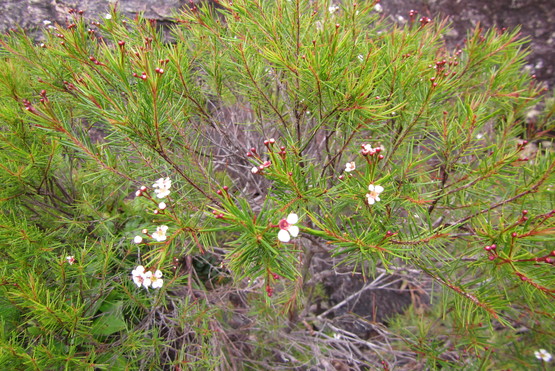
(255, 170)
(479, 136)
(139, 276)
(107, 16)
(155, 278)
(46, 22)
(333, 8)
(368, 150)
(162, 187)
(543, 354)
(160, 234)
(70, 259)
(374, 195)
(287, 228)
(378, 8)
(350, 166)
(138, 239)
(162, 205)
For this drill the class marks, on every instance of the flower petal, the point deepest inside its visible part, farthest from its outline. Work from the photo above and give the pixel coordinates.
(157, 283)
(292, 218)
(284, 236)
(378, 189)
(294, 231)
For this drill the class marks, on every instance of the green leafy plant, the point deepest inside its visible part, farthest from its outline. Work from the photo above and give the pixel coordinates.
(179, 201)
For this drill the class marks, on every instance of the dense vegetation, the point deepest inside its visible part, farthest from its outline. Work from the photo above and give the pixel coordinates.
(186, 201)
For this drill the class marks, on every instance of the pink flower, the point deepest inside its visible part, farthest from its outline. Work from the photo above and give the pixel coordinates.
(287, 229)
(368, 150)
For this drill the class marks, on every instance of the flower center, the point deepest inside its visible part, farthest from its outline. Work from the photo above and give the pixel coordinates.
(283, 224)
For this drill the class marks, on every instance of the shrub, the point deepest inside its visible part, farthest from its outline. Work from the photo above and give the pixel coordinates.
(183, 201)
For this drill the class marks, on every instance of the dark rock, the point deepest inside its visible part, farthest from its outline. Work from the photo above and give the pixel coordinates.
(537, 18)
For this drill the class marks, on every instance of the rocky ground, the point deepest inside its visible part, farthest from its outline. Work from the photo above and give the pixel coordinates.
(536, 17)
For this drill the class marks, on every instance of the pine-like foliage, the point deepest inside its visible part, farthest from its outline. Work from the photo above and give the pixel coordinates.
(252, 111)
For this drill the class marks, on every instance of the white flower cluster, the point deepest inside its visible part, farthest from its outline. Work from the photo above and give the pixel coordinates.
(162, 187)
(373, 195)
(140, 276)
(147, 279)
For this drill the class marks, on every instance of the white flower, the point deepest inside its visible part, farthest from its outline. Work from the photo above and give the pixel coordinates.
(368, 150)
(374, 194)
(138, 239)
(160, 234)
(378, 8)
(162, 205)
(350, 166)
(139, 276)
(163, 187)
(155, 279)
(543, 355)
(107, 16)
(70, 259)
(333, 8)
(46, 22)
(287, 229)
(254, 170)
